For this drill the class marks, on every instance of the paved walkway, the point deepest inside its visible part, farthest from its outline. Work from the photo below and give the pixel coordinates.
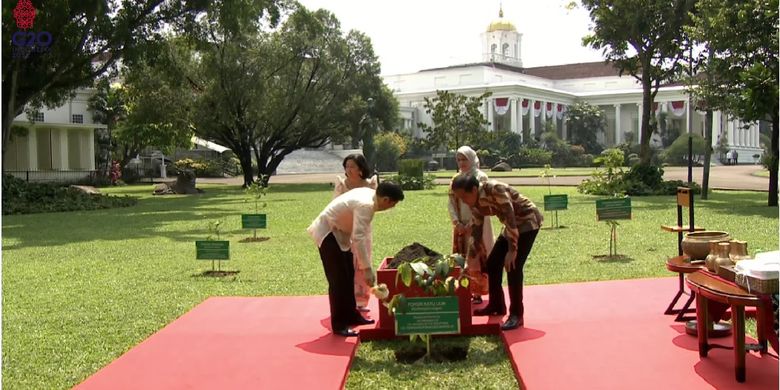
(731, 177)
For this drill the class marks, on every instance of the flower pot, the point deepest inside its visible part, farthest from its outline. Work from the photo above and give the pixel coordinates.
(388, 276)
(697, 244)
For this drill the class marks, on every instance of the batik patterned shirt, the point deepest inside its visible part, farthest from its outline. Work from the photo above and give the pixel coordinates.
(516, 212)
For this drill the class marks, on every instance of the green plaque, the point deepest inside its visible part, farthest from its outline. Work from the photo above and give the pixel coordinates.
(431, 315)
(611, 209)
(212, 250)
(253, 221)
(556, 202)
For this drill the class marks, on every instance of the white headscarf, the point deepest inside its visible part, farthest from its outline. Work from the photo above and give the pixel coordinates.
(471, 155)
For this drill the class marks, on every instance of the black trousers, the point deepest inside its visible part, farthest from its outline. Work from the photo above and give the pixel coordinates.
(495, 269)
(340, 272)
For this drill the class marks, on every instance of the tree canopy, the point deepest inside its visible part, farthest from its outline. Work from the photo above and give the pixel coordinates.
(457, 119)
(645, 41)
(741, 64)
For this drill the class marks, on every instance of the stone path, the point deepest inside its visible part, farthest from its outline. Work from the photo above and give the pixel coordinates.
(739, 177)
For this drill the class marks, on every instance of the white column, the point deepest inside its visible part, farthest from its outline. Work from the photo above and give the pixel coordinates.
(730, 131)
(617, 124)
(688, 115)
(639, 123)
(63, 149)
(89, 137)
(715, 127)
(519, 105)
(513, 115)
(32, 149)
(491, 114)
(543, 115)
(531, 117)
(565, 129)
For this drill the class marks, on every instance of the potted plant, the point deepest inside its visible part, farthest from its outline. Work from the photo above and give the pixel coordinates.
(553, 202)
(425, 299)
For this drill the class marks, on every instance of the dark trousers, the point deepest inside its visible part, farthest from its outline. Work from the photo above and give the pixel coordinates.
(340, 272)
(495, 269)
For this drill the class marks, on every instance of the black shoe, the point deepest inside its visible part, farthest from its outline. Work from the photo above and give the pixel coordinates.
(362, 321)
(489, 311)
(476, 300)
(513, 322)
(346, 332)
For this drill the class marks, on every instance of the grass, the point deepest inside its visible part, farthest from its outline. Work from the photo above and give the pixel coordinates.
(761, 173)
(81, 288)
(526, 172)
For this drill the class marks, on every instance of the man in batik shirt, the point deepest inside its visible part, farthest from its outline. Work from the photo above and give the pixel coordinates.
(521, 220)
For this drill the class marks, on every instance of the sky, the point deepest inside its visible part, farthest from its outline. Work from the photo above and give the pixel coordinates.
(411, 35)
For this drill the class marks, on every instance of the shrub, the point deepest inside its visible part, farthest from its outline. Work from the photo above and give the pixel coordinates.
(411, 167)
(389, 148)
(201, 168)
(20, 197)
(677, 154)
(424, 182)
(533, 157)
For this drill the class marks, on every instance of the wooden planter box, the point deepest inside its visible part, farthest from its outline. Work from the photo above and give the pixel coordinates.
(385, 328)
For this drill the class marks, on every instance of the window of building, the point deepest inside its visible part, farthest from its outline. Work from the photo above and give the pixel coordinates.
(77, 118)
(38, 117)
(505, 50)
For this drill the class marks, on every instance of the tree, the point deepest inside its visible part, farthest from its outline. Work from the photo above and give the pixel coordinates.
(88, 38)
(644, 41)
(267, 92)
(585, 122)
(457, 119)
(741, 39)
(108, 106)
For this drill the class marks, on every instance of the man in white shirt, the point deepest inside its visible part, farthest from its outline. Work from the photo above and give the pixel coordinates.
(341, 231)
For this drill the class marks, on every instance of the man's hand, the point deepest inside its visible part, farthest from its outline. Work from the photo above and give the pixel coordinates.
(509, 260)
(370, 277)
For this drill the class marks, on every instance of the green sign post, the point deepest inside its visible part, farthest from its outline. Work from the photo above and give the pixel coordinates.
(555, 203)
(611, 210)
(212, 250)
(253, 221)
(429, 315)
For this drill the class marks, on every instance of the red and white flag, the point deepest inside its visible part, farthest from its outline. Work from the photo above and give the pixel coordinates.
(524, 107)
(549, 110)
(537, 108)
(502, 105)
(678, 107)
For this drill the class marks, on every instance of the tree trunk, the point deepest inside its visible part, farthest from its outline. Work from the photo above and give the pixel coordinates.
(644, 141)
(356, 136)
(245, 158)
(12, 108)
(773, 162)
(705, 179)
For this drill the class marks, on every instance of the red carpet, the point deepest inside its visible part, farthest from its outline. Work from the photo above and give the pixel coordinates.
(237, 343)
(613, 335)
(603, 335)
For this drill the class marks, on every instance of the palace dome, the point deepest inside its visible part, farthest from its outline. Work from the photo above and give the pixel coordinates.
(501, 24)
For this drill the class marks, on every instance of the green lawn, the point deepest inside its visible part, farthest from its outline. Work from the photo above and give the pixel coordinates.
(81, 288)
(527, 172)
(761, 173)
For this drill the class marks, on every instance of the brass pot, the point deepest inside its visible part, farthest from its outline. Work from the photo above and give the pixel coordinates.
(723, 256)
(697, 244)
(709, 262)
(738, 250)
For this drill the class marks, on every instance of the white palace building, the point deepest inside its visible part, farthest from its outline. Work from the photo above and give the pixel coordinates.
(524, 99)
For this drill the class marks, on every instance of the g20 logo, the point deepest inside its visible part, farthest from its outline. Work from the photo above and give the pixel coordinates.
(30, 38)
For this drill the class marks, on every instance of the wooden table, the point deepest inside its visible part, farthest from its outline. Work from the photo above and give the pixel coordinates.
(711, 288)
(681, 265)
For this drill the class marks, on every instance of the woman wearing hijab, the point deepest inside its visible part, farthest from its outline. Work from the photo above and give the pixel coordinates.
(460, 214)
